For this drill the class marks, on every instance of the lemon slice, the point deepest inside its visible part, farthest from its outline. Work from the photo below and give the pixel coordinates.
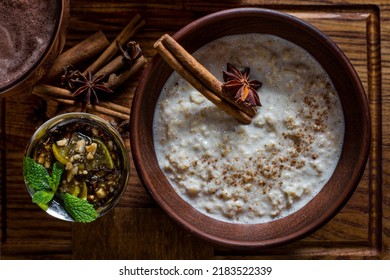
(83, 191)
(60, 153)
(102, 156)
(74, 190)
(77, 188)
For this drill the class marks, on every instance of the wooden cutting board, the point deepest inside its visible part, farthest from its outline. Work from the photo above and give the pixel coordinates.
(137, 228)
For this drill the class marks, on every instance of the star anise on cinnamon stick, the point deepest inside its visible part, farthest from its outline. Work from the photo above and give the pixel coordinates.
(69, 75)
(238, 85)
(131, 53)
(89, 85)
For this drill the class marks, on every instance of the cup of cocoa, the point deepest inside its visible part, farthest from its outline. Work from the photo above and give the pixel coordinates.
(32, 36)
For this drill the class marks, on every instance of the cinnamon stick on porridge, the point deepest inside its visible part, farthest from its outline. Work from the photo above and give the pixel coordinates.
(200, 78)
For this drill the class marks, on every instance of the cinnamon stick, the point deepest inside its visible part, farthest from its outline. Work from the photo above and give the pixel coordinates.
(64, 96)
(201, 73)
(188, 76)
(124, 65)
(114, 107)
(96, 108)
(105, 108)
(115, 80)
(83, 51)
(131, 28)
(111, 67)
(49, 91)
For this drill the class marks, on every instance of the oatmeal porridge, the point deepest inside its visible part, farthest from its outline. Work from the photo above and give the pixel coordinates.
(259, 172)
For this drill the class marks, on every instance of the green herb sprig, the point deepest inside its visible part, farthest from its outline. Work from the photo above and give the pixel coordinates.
(45, 187)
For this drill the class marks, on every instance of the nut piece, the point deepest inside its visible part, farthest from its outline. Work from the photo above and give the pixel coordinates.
(90, 156)
(80, 145)
(71, 173)
(41, 158)
(91, 148)
(76, 157)
(62, 142)
(101, 193)
(68, 166)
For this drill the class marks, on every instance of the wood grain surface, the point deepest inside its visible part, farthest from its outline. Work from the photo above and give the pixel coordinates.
(137, 228)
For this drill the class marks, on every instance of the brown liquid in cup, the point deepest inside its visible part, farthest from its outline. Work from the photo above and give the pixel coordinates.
(26, 31)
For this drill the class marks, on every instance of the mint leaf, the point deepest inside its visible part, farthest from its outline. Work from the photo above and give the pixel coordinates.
(79, 209)
(35, 175)
(42, 197)
(38, 179)
(58, 168)
(55, 178)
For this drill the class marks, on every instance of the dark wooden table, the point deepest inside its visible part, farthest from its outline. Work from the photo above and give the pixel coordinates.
(137, 228)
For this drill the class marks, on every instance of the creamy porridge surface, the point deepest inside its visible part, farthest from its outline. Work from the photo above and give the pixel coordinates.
(259, 172)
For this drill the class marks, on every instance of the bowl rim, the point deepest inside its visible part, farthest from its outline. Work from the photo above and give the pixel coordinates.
(327, 215)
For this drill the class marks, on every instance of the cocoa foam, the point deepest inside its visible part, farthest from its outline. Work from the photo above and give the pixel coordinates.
(26, 29)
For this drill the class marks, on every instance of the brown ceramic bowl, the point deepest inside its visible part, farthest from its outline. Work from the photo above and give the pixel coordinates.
(53, 50)
(337, 190)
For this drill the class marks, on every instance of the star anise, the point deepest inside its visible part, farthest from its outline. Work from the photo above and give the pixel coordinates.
(69, 75)
(131, 53)
(238, 85)
(90, 85)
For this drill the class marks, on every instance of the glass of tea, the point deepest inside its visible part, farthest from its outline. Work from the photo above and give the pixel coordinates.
(76, 167)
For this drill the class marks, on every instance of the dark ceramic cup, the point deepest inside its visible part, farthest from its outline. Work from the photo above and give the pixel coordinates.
(27, 78)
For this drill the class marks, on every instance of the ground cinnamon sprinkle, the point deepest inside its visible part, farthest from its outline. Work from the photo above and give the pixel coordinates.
(259, 172)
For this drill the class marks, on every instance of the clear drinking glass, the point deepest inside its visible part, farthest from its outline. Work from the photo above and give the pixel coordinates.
(55, 208)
